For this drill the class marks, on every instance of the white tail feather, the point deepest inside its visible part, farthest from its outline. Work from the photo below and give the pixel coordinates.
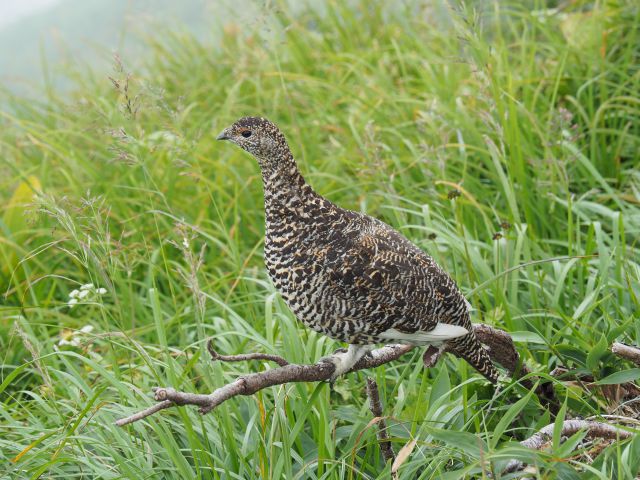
(442, 332)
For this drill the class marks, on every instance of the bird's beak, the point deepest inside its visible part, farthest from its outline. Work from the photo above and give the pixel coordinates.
(223, 136)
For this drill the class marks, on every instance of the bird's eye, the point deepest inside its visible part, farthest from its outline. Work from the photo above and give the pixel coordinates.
(246, 133)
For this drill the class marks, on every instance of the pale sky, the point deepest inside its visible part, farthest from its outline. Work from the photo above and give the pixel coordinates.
(12, 10)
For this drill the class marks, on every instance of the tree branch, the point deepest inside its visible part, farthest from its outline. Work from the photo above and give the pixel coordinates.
(569, 427)
(501, 350)
(250, 384)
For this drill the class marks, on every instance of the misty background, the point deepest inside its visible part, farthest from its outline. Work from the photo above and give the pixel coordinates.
(42, 42)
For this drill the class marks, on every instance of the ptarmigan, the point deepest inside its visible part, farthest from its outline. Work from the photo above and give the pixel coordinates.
(348, 275)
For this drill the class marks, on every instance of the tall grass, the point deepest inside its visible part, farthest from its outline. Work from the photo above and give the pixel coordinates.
(497, 136)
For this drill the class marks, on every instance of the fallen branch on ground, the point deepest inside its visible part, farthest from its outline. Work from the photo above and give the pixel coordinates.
(500, 345)
(569, 427)
(627, 352)
(614, 392)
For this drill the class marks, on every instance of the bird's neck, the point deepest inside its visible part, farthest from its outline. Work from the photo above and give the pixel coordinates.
(285, 189)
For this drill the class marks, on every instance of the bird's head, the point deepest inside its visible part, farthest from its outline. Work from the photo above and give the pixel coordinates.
(259, 137)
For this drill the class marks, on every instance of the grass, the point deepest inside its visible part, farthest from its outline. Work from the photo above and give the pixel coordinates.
(502, 138)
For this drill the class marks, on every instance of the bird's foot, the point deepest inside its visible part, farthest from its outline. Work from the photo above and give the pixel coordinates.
(344, 360)
(341, 363)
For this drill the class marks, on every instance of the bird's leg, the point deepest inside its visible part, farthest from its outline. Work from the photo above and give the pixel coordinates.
(345, 360)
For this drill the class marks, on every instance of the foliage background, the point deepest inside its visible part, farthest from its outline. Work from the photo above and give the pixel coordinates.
(498, 136)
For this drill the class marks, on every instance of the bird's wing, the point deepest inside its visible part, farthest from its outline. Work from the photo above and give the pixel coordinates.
(377, 267)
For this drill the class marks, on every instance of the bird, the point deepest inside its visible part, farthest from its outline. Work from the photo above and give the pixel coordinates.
(348, 275)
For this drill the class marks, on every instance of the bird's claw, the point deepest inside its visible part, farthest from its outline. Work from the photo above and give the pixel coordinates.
(331, 359)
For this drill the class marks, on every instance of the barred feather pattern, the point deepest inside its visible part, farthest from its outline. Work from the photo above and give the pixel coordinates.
(345, 274)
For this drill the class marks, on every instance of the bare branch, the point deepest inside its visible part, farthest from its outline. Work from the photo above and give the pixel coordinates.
(249, 384)
(569, 427)
(627, 352)
(376, 408)
(500, 345)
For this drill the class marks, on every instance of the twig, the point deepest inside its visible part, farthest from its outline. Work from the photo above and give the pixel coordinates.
(627, 352)
(245, 356)
(145, 413)
(627, 421)
(376, 409)
(569, 427)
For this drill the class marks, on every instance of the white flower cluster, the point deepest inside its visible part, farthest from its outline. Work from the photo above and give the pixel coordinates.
(86, 292)
(73, 337)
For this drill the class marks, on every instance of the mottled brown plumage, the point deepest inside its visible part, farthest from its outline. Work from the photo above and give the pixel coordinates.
(346, 274)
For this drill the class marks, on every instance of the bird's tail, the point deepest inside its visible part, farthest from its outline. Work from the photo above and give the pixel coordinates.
(470, 349)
